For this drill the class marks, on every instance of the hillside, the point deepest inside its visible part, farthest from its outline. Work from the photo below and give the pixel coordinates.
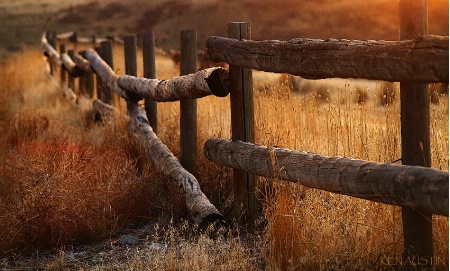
(24, 20)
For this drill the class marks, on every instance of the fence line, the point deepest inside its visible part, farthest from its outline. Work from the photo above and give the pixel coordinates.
(133, 89)
(424, 59)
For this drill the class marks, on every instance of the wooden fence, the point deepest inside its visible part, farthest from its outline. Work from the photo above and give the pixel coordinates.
(414, 61)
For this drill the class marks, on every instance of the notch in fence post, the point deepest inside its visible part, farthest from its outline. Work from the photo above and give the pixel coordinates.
(415, 134)
(188, 108)
(62, 50)
(148, 52)
(106, 53)
(242, 126)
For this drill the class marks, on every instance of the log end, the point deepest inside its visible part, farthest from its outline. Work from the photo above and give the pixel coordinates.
(219, 82)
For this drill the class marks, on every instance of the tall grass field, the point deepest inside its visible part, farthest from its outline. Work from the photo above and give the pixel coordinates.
(81, 194)
(68, 182)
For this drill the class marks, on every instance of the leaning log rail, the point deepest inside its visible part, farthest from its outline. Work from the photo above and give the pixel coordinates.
(202, 211)
(420, 188)
(424, 59)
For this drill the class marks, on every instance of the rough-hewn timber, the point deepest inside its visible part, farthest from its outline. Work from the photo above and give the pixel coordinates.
(419, 188)
(197, 85)
(424, 59)
(201, 209)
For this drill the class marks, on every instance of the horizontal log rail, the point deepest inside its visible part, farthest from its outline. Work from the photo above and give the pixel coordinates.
(202, 211)
(73, 37)
(419, 188)
(425, 59)
(200, 84)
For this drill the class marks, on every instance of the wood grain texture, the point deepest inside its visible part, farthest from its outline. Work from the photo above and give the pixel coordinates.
(418, 188)
(199, 206)
(211, 81)
(423, 59)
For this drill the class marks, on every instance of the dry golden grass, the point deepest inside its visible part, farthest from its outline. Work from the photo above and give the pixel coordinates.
(66, 181)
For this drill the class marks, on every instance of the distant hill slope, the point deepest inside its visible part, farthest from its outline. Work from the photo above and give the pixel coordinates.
(24, 20)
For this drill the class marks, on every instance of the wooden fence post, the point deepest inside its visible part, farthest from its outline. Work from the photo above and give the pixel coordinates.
(148, 51)
(98, 81)
(188, 108)
(62, 82)
(130, 52)
(106, 54)
(415, 133)
(74, 39)
(88, 86)
(71, 78)
(242, 126)
(51, 39)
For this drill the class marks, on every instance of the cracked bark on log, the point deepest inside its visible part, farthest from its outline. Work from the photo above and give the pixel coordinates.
(197, 85)
(200, 84)
(419, 188)
(202, 211)
(424, 59)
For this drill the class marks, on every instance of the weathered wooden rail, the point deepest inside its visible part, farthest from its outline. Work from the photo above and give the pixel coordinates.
(203, 83)
(420, 188)
(423, 59)
(212, 81)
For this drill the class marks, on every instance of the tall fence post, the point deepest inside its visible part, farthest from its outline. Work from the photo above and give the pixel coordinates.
(106, 53)
(415, 133)
(242, 126)
(148, 52)
(188, 108)
(62, 82)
